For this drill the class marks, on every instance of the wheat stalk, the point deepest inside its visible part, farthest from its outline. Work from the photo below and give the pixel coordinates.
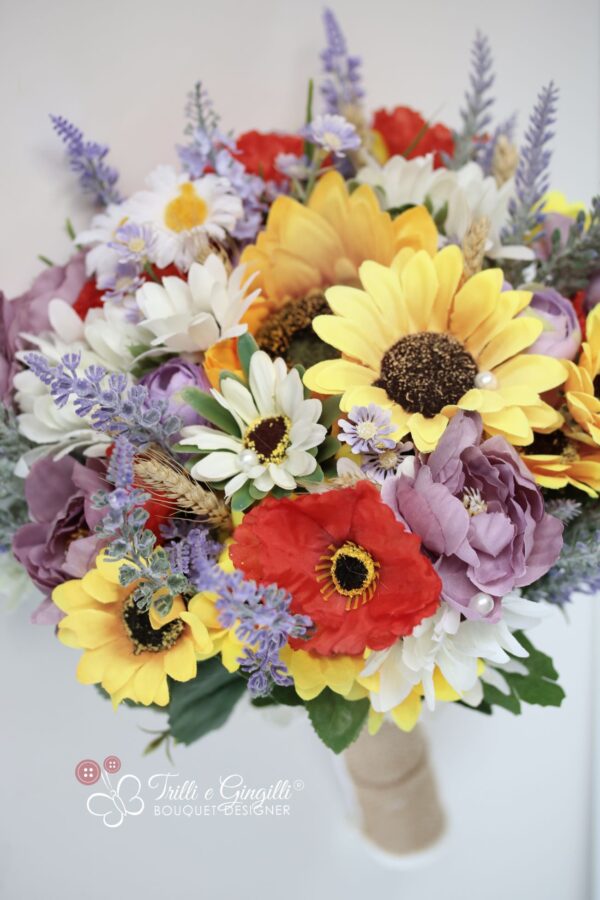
(505, 160)
(473, 246)
(171, 481)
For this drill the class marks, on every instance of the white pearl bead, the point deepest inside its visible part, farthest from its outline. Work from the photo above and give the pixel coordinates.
(487, 381)
(248, 459)
(482, 604)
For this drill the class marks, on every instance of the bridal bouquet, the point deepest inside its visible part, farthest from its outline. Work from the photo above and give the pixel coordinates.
(312, 417)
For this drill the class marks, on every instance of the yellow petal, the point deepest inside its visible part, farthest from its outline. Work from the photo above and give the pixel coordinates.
(449, 268)
(511, 423)
(101, 589)
(199, 631)
(426, 433)
(542, 373)
(415, 228)
(517, 336)
(347, 337)
(334, 376)
(406, 715)
(420, 287)
(149, 677)
(180, 660)
(475, 301)
(92, 627)
(384, 289)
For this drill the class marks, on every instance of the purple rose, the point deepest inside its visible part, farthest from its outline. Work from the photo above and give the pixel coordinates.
(29, 312)
(480, 517)
(169, 379)
(59, 543)
(561, 336)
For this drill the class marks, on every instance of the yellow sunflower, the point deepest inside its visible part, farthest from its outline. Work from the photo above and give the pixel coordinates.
(416, 342)
(583, 386)
(305, 248)
(130, 653)
(556, 461)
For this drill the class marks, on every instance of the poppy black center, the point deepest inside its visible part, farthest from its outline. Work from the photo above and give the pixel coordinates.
(141, 633)
(427, 371)
(351, 573)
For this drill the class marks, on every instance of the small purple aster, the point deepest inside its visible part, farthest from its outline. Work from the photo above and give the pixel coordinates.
(293, 166)
(133, 242)
(382, 463)
(367, 428)
(125, 281)
(333, 133)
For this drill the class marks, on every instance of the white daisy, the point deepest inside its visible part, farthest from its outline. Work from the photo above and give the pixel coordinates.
(184, 213)
(453, 646)
(462, 196)
(188, 316)
(277, 429)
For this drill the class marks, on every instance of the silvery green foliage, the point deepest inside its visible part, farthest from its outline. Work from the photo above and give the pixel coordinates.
(578, 567)
(13, 507)
(572, 263)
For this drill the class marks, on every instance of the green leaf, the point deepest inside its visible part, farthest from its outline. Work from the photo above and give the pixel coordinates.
(246, 348)
(540, 692)
(210, 409)
(279, 696)
(537, 687)
(493, 696)
(331, 411)
(328, 448)
(255, 493)
(315, 477)
(337, 721)
(204, 704)
(242, 499)
(309, 148)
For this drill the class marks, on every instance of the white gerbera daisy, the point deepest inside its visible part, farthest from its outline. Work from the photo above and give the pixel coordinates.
(400, 181)
(184, 213)
(277, 428)
(188, 316)
(455, 647)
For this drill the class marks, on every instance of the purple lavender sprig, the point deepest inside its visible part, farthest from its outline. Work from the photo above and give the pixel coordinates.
(475, 114)
(86, 158)
(113, 408)
(505, 129)
(262, 620)
(532, 178)
(342, 85)
(208, 147)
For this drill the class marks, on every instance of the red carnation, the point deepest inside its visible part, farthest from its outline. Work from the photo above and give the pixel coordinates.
(347, 563)
(406, 133)
(258, 151)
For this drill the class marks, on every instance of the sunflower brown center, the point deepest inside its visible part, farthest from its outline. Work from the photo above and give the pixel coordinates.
(554, 444)
(269, 437)
(289, 333)
(425, 372)
(141, 633)
(349, 570)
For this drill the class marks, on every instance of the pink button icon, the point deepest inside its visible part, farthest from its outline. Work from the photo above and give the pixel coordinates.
(112, 764)
(87, 771)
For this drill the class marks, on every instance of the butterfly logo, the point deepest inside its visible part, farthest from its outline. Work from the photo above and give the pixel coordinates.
(113, 804)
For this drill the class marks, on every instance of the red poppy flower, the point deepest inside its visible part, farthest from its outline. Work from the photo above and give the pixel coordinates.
(405, 133)
(347, 563)
(258, 151)
(578, 302)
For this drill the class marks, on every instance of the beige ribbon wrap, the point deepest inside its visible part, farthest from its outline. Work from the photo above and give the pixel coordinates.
(396, 790)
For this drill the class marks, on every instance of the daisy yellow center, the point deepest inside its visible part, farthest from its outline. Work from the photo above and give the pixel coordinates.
(332, 140)
(349, 570)
(388, 459)
(141, 633)
(425, 372)
(186, 211)
(269, 437)
(366, 430)
(136, 244)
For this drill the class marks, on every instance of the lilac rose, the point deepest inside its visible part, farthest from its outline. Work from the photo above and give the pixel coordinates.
(59, 542)
(480, 517)
(29, 312)
(169, 379)
(561, 336)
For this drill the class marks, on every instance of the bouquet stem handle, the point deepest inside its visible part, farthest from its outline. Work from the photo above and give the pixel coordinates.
(395, 790)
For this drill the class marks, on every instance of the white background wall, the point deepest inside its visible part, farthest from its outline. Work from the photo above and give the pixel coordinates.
(517, 790)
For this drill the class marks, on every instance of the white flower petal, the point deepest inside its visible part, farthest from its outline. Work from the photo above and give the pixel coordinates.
(215, 467)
